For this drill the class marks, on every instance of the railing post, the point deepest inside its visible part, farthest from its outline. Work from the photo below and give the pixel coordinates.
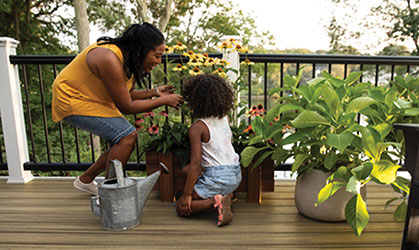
(233, 58)
(12, 118)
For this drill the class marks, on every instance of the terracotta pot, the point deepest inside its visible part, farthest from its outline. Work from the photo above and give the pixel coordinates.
(307, 189)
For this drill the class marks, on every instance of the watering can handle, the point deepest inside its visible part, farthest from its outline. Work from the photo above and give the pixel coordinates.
(115, 168)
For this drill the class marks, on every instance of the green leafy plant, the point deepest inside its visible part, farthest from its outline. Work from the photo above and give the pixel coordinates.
(342, 126)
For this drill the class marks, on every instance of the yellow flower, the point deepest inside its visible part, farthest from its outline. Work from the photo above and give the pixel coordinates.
(189, 54)
(222, 62)
(247, 62)
(209, 62)
(179, 46)
(237, 47)
(224, 45)
(168, 50)
(220, 72)
(195, 71)
(179, 67)
(194, 61)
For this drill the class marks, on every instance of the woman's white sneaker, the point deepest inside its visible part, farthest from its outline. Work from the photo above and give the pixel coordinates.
(90, 188)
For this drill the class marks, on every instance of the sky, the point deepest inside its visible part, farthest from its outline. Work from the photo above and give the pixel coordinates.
(294, 23)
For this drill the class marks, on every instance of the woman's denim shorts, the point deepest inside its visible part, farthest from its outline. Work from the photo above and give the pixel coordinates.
(112, 129)
(218, 180)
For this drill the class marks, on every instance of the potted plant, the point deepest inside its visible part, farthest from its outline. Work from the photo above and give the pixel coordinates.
(319, 127)
(165, 136)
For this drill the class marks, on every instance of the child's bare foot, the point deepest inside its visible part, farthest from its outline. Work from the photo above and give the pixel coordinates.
(223, 206)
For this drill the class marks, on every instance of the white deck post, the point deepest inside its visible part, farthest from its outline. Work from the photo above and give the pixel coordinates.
(233, 57)
(12, 118)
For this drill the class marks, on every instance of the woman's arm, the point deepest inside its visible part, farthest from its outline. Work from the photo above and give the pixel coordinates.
(162, 90)
(106, 65)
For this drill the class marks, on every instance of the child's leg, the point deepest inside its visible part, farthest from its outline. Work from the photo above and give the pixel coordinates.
(198, 204)
(223, 206)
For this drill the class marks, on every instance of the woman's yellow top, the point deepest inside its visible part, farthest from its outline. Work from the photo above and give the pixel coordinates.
(77, 91)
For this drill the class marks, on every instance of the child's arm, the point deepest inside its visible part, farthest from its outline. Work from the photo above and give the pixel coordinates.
(196, 132)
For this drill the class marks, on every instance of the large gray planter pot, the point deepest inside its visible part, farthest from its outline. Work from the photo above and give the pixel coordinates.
(306, 191)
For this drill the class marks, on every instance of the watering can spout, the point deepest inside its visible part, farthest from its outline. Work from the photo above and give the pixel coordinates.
(146, 185)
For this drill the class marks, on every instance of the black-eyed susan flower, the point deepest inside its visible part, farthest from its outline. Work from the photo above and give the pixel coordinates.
(168, 50)
(209, 61)
(179, 46)
(220, 72)
(179, 67)
(247, 62)
(194, 61)
(195, 71)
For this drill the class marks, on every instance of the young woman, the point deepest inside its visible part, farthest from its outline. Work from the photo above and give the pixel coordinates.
(97, 86)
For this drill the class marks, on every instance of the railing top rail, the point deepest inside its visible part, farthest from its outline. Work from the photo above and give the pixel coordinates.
(65, 59)
(269, 58)
(332, 59)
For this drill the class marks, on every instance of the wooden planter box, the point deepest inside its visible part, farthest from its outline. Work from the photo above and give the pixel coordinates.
(254, 181)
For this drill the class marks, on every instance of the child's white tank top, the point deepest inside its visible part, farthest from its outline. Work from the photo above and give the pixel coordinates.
(218, 150)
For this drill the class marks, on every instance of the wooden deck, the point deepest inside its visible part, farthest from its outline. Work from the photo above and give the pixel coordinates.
(51, 214)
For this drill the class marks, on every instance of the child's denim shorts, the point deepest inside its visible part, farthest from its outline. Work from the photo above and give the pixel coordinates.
(218, 180)
(112, 129)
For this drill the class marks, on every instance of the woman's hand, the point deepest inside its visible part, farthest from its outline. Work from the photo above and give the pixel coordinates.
(164, 90)
(173, 100)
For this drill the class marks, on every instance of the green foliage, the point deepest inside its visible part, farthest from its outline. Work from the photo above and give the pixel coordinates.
(326, 134)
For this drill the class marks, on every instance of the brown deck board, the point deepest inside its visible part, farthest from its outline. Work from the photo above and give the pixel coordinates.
(51, 214)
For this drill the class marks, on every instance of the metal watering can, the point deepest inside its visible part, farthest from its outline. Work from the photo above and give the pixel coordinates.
(121, 200)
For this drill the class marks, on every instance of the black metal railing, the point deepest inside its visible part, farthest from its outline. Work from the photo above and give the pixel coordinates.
(267, 72)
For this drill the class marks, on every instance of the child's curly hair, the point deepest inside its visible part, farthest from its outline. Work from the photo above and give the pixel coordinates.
(208, 95)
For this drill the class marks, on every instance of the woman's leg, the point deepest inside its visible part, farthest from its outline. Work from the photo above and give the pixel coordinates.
(121, 151)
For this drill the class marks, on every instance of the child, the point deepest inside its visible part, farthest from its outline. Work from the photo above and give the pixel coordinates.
(214, 170)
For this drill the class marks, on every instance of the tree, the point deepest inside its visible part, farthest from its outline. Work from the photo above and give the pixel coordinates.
(82, 22)
(395, 20)
(199, 24)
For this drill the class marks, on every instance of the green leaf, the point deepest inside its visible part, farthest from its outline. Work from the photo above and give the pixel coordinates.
(342, 174)
(330, 160)
(272, 130)
(402, 184)
(327, 191)
(411, 112)
(359, 104)
(257, 125)
(256, 139)
(272, 113)
(248, 154)
(356, 214)
(400, 212)
(340, 141)
(332, 100)
(353, 186)
(383, 128)
(353, 76)
(315, 81)
(385, 171)
(388, 203)
(298, 160)
(261, 158)
(363, 171)
(309, 119)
